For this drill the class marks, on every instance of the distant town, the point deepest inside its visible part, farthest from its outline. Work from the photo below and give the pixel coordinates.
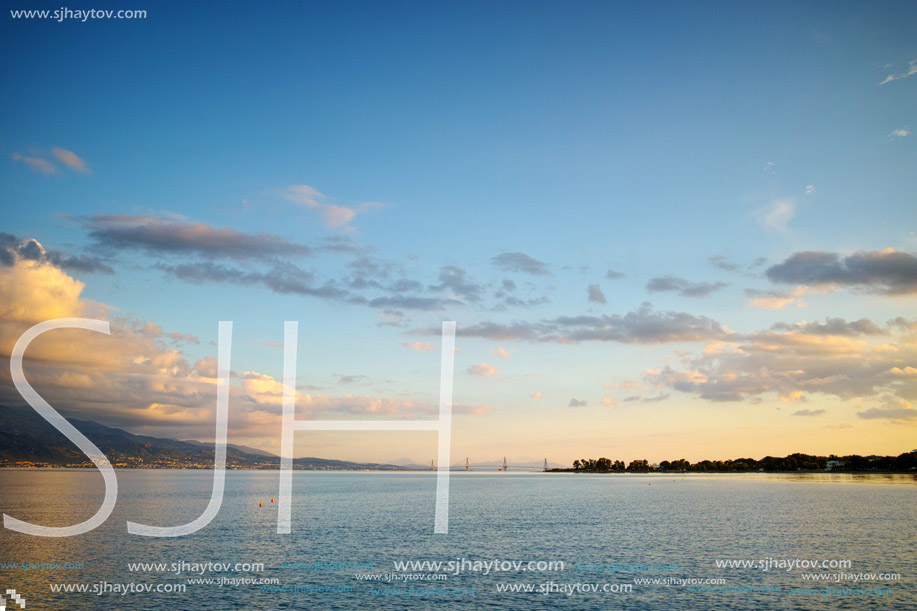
(303, 464)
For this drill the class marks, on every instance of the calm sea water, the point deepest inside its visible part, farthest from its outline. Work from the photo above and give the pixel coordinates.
(348, 524)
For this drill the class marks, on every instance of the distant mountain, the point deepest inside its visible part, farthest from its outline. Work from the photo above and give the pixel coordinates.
(407, 463)
(498, 464)
(529, 465)
(27, 439)
(245, 449)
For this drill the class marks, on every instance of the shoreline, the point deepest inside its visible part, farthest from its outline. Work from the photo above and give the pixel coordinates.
(660, 474)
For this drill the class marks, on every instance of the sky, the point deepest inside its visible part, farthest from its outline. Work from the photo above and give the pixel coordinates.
(664, 231)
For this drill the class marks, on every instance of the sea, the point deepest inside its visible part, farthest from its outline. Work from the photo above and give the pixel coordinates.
(516, 541)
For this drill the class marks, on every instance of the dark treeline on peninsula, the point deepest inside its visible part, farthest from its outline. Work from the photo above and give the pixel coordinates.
(906, 462)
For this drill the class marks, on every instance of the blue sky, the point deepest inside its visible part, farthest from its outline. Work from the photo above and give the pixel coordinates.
(694, 150)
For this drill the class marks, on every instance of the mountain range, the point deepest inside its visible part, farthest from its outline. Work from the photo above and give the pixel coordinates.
(27, 439)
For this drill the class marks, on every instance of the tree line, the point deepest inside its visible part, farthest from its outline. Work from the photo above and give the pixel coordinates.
(793, 462)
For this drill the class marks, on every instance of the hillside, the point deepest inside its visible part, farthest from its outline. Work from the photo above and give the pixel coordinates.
(27, 440)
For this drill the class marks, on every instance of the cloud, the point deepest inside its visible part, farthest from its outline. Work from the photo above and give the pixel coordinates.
(643, 326)
(31, 249)
(127, 377)
(424, 304)
(887, 272)
(456, 280)
(41, 165)
(37, 164)
(901, 132)
(810, 189)
(682, 286)
(613, 275)
(633, 398)
(172, 236)
(536, 395)
(135, 377)
(79, 263)
(776, 215)
(353, 404)
(847, 360)
(721, 262)
(911, 71)
(512, 301)
(265, 393)
(304, 195)
(577, 403)
(206, 367)
(340, 244)
(71, 160)
(898, 412)
(776, 300)
(184, 337)
(596, 294)
(809, 412)
(418, 346)
(283, 278)
(483, 370)
(375, 269)
(335, 215)
(34, 291)
(520, 262)
(502, 353)
(495, 331)
(834, 326)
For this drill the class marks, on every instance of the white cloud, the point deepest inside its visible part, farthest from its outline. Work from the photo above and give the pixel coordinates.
(849, 360)
(899, 133)
(911, 71)
(810, 189)
(335, 215)
(503, 353)
(304, 195)
(777, 214)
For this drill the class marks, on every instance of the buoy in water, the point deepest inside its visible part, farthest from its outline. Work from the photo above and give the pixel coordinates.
(272, 499)
(260, 504)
